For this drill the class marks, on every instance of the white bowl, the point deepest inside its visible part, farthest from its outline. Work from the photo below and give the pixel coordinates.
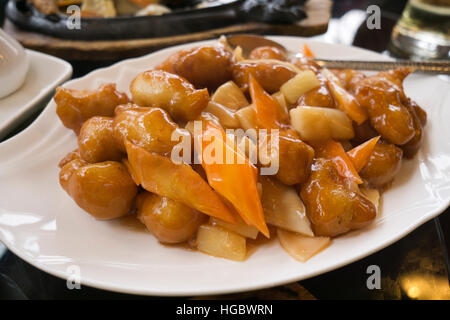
(13, 64)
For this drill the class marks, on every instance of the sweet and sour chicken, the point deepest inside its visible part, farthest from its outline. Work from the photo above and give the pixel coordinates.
(327, 142)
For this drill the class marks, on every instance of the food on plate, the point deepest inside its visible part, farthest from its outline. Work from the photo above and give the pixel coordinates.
(168, 220)
(105, 189)
(96, 141)
(218, 149)
(267, 52)
(383, 164)
(116, 8)
(334, 203)
(74, 107)
(157, 88)
(149, 128)
(270, 74)
(204, 67)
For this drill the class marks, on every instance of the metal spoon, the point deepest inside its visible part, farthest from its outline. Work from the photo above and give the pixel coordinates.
(249, 42)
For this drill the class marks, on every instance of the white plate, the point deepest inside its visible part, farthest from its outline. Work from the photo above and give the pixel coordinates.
(40, 223)
(45, 74)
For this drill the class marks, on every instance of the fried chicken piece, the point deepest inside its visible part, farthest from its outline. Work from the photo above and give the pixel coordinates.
(105, 190)
(96, 141)
(204, 67)
(334, 204)
(267, 52)
(382, 95)
(150, 128)
(383, 165)
(270, 74)
(157, 88)
(74, 107)
(168, 220)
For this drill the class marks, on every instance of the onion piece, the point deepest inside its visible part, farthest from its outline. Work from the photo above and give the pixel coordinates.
(321, 124)
(240, 227)
(373, 195)
(301, 247)
(230, 96)
(283, 207)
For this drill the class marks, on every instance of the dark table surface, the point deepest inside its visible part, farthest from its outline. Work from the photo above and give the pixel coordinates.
(416, 267)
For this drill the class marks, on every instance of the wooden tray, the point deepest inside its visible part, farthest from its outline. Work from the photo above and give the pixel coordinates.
(318, 12)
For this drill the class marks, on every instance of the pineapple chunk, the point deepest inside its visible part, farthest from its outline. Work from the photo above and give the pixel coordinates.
(299, 85)
(317, 123)
(247, 117)
(230, 96)
(220, 242)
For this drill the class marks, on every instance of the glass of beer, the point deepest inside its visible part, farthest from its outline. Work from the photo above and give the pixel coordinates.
(423, 31)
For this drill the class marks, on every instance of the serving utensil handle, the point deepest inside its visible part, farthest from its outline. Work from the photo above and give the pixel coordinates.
(437, 67)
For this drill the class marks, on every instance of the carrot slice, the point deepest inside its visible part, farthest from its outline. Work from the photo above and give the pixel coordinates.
(235, 180)
(267, 115)
(307, 51)
(360, 155)
(333, 150)
(345, 100)
(158, 174)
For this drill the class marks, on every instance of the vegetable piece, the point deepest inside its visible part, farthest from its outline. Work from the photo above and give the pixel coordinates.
(300, 247)
(320, 124)
(267, 109)
(220, 242)
(373, 195)
(168, 220)
(345, 100)
(307, 51)
(240, 228)
(247, 117)
(226, 116)
(235, 181)
(230, 96)
(299, 85)
(360, 155)
(158, 174)
(157, 88)
(283, 207)
(282, 106)
(334, 151)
